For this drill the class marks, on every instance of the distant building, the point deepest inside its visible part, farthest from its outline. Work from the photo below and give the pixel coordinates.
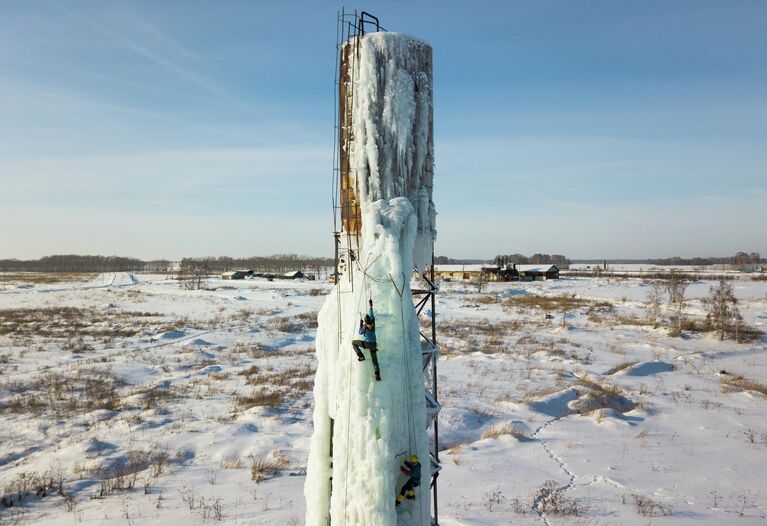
(295, 274)
(235, 274)
(536, 272)
(463, 272)
(495, 273)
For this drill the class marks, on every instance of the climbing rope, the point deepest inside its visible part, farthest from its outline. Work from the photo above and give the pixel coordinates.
(412, 447)
(400, 293)
(411, 418)
(408, 389)
(351, 370)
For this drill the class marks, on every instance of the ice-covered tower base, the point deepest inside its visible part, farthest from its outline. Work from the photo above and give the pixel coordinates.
(365, 429)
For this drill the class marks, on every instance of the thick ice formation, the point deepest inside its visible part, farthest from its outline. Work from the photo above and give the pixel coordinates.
(363, 429)
(392, 152)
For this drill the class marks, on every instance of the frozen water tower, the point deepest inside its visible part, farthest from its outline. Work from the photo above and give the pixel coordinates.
(384, 230)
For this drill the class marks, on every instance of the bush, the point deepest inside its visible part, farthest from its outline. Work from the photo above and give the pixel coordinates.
(258, 397)
(264, 467)
(648, 507)
(747, 384)
(551, 499)
(505, 428)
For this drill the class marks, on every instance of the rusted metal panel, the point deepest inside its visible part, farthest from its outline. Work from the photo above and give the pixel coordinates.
(351, 220)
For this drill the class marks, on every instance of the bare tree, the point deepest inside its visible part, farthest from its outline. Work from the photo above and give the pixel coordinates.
(722, 307)
(654, 300)
(676, 287)
(480, 281)
(193, 274)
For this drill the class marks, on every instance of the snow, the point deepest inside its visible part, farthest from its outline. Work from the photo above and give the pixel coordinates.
(686, 444)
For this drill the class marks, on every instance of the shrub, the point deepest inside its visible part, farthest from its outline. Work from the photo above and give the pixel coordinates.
(493, 499)
(747, 384)
(648, 507)
(264, 467)
(505, 428)
(551, 499)
(64, 395)
(258, 397)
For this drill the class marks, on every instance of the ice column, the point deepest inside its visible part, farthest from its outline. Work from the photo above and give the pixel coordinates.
(363, 429)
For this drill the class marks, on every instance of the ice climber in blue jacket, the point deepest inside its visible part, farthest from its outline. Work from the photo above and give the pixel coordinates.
(368, 341)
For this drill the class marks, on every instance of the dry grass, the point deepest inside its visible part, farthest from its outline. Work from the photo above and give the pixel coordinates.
(233, 461)
(627, 319)
(483, 300)
(259, 397)
(42, 278)
(59, 322)
(264, 467)
(282, 377)
(155, 396)
(745, 333)
(504, 428)
(295, 324)
(746, 384)
(559, 303)
(289, 383)
(601, 386)
(551, 499)
(80, 392)
(648, 507)
(23, 485)
(621, 366)
(250, 371)
(470, 329)
(538, 394)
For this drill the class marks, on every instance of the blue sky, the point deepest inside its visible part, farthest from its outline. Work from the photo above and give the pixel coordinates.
(592, 129)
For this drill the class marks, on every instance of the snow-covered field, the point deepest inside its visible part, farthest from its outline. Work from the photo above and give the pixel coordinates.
(127, 400)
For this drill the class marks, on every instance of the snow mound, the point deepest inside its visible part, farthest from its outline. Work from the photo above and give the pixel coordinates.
(169, 335)
(99, 447)
(240, 298)
(556, 404)
(594, 401)
(647, 369)
(113, 279)
(197, 342)
(460, 425)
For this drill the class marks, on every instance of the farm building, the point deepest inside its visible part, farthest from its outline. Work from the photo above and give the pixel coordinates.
(295, 274)
(235, 274)
(494, 273)
(464, 272)
(537, 272)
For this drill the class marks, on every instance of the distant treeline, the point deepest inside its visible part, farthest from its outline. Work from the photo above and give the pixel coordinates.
(261, 264)
(536, 259)
(444, 260)
(741, 259)
(76, 263)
